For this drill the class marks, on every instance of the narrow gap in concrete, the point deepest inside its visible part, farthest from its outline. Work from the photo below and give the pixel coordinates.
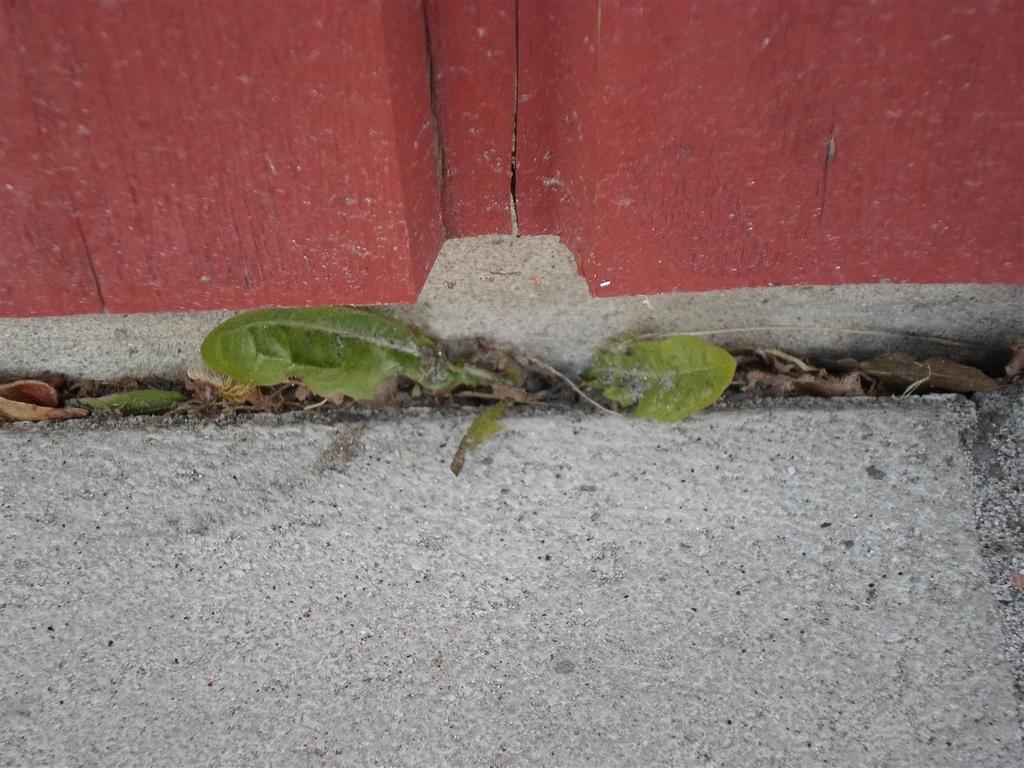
(442, 170)
(513, 205)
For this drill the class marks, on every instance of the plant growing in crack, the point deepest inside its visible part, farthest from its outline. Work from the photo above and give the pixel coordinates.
(280, 359)
(359, 354)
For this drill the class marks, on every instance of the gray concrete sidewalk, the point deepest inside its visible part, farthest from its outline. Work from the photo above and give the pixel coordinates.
(797, 585)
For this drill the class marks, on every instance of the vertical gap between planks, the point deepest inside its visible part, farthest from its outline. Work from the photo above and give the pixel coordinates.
(513, 204)
(442, 171)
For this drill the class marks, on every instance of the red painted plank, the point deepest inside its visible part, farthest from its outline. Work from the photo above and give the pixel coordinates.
(558, 81)
(44, 265)
(681, 145)
(473, 44)
(231, 154)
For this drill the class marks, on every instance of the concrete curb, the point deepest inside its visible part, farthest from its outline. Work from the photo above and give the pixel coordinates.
(525, 293)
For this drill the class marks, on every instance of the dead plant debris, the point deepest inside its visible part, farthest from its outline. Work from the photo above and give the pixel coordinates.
(18, 410)
(489, 373)
(526, 381)
(935, 374)
(770, 371)
(31, 391)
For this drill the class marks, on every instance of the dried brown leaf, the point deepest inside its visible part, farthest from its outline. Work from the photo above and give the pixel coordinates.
(902, 372)
(55, 380)
(264, 399)
(822, 385)
(515, 394)
(775, 383)
(14, 410)
(490, 356)
(955, 377)
(830, 386)
(783, 362)
(203, 384)
(31, 391)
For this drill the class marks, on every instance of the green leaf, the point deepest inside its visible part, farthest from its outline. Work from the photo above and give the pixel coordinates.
(333, 351)
(666, 379)
(484, 427)
(138, 403)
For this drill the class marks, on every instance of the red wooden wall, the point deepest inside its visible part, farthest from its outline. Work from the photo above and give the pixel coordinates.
(473, 57)
(194, 154)
(697, 145)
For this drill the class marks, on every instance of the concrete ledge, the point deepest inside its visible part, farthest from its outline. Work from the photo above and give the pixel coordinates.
(525, 293)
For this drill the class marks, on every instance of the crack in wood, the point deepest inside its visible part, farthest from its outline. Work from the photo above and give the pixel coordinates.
(830, 156)
(513, 203)
(442, 169)
(91, 265)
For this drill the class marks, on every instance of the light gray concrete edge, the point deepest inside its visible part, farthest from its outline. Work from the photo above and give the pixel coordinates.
(998, 443)
(525, 293)
(795, 585)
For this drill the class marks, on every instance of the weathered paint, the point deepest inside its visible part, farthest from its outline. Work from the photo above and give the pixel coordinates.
(194, 155)
(688, 145)
(473, 57)
(199, 155)
(44, 259)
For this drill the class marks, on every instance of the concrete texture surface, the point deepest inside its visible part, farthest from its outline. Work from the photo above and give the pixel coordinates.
(999, 500)
(526, 293)
(796, 585)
